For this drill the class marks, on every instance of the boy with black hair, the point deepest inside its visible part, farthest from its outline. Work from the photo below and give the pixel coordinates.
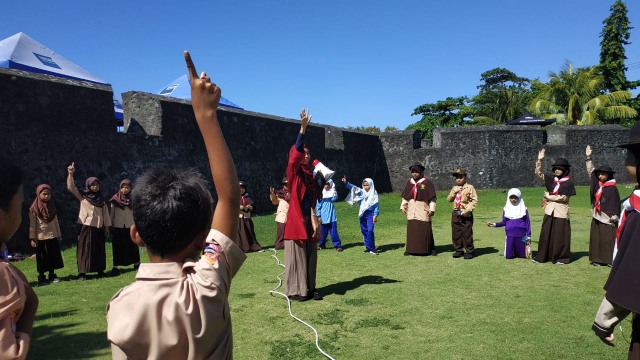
(465, 199)
(178, 307)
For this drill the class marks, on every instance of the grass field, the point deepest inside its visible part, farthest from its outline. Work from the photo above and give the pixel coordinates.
(381, 307)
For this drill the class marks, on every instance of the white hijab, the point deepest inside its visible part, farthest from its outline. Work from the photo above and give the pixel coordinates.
(367, 198)
(518, 210)
(328, 194)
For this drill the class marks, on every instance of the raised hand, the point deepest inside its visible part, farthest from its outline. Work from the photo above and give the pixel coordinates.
(541, 154)
(305, 118)
(71, 168)
(205, 95)
(588, 151)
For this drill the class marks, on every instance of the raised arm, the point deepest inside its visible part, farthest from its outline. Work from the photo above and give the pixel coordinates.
(273, 197)
(538, 170)
(589, 163)
(205, 97)
(71, 185)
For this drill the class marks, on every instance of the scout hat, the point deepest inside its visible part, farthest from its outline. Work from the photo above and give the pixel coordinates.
(459, 172)
(634, 136)
(561, 162)
(417, 165)
(605, 168)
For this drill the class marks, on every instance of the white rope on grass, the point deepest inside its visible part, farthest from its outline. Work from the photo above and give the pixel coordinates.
(273, 291)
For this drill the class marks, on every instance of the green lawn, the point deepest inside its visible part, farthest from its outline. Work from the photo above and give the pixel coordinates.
(381, 307)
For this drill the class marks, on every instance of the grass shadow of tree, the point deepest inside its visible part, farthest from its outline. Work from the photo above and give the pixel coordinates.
(51, 341)
(341, 288)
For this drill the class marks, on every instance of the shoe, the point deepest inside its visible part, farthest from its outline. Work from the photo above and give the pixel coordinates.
(457, 254)
(321, 247)
(82, 277)
(261, 250)
(406, 253)
(434, 253)
(468, 256)
(101, 274)
(299, 298)
(373, 252)
(535, 261)
(114, 272)
(595, 264)
(560, 263)
(315, 295)
(53, 278)
(42, 281)
(339, 249)
(136, 266)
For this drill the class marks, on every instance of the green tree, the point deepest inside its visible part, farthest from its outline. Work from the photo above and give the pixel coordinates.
(444, 113)
(615, 35)
(575, 96)
(503, 97)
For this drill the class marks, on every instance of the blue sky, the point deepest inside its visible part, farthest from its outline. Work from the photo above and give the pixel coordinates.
(352, 63)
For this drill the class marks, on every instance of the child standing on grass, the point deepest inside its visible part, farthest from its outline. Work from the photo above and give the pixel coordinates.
(326, 213)
(419, 205)
(369, 210)
(555, 235)
(247, 240)
(622, 288)
(18, 302)
(178, 307)
(95, 219)
(517, 225)
(464, 198)
(125, 252)
(44, 234)
(605, 211)
(281, 199)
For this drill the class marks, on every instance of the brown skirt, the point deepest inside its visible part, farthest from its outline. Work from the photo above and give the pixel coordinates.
(419, 238)
(300, 263)
(247, 236)
(91, 254)
(555, 240)
(48, 256)
(125, 251)
(601, 242)
(279, 244)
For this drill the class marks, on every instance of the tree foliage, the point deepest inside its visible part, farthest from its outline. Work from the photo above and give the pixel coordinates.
(443, 113)
(575, 96)
(503, 97)
(615, 35)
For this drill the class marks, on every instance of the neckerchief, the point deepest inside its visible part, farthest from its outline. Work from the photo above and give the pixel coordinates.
(598, 195)
(558, 182)
(414, 192)
(456, 202)
(632, 204)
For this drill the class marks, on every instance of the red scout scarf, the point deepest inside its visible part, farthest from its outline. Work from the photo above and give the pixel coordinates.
(456, 202)
(598, 195)
(634, 204)
(414, 192)
(558, 182)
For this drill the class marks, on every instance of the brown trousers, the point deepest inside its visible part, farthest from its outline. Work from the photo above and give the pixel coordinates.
(462, 232)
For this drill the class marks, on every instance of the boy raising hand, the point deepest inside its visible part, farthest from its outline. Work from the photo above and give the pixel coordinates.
(178, 306)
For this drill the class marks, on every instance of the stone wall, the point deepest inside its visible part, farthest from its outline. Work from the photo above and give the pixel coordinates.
(49, 122)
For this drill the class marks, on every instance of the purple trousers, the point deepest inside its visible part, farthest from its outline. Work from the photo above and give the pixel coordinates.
(514, 247)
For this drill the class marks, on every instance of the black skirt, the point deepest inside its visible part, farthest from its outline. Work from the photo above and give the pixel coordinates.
(601, 241)
(419, 238)
(247, 236)
(125, 251)
(555, 240)
(623, 284)
(48, 256)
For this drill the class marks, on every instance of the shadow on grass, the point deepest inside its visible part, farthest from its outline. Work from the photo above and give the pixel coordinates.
(575, 256)
(341, 288)
(389, 247)
(58, 341)
(484, 251)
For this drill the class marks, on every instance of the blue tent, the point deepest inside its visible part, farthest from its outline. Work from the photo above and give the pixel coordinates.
(21, 52)
(180, 88)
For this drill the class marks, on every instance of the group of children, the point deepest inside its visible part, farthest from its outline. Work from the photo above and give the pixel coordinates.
(96, 216)
(178, 306)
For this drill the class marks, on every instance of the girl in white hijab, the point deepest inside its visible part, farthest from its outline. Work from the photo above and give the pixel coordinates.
(367, 197)
(515, 219)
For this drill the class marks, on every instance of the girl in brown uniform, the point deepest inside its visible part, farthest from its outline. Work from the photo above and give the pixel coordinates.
(125, 252)
(44, 232)
(419, 205)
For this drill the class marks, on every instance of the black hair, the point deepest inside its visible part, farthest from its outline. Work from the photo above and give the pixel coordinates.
(170, 208)
(10, 180)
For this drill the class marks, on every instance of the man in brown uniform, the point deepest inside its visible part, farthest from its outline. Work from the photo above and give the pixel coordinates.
(178, 307)
(464, 199)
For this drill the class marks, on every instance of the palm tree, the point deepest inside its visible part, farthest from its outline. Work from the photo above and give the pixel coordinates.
(575, 96)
